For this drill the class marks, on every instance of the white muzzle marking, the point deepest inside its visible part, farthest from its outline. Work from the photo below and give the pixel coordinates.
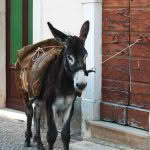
(79, 81)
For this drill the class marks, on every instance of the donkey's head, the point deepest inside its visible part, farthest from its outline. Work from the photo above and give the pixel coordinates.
(74, 54)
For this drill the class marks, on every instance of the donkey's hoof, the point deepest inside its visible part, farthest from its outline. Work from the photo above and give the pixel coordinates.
(40, 146)
(50, 147)
(27, 144)
(35, 139)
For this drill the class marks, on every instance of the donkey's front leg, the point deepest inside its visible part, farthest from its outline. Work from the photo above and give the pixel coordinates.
(52, 130)
(37, 117)
(65, 133)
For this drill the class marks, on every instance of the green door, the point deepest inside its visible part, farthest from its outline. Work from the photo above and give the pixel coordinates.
(20, 15)
(15, 28)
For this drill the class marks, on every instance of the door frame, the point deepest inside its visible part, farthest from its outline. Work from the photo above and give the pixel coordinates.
(9, 66)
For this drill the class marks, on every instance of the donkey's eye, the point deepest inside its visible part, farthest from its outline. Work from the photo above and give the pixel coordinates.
(70, 59)
(84, 59)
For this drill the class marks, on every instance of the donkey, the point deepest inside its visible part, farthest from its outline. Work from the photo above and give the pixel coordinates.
(63, 81)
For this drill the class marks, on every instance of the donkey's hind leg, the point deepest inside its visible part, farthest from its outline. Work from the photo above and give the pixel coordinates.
(37, 118)
(29, 114)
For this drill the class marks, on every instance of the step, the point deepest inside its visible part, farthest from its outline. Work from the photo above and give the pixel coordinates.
(118, 134)
(13, 114)
(87, 145)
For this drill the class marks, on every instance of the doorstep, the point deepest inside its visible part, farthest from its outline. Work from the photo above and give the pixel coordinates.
(118, 134)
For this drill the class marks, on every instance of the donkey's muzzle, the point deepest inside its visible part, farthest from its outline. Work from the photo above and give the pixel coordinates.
(80, 81)
(81, 86)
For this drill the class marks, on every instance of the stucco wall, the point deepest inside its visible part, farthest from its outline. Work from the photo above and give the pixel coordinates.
(66, 15)
(2, 55)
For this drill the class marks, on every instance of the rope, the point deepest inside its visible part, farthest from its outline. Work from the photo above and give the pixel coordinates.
(122, 51)
(40, 50)
(37, 53)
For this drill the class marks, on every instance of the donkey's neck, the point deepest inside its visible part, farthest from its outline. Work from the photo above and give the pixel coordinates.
(64, 83)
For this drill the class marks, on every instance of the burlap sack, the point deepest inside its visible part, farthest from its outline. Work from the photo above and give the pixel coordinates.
(32, 62)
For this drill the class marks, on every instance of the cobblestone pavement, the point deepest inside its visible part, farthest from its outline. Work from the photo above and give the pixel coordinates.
(12, 131)
(12, 135)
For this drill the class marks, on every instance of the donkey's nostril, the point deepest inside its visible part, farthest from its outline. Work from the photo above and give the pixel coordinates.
(81, 86)
(77, 85)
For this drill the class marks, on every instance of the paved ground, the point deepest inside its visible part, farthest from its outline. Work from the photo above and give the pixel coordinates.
(12, 129)
(12, 135)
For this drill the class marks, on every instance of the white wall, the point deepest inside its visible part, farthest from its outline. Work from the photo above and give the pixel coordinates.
(2, 54)
(90, 104)
(65, 15)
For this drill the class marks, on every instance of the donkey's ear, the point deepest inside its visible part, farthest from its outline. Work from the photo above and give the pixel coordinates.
(84, 30)
(59, 36)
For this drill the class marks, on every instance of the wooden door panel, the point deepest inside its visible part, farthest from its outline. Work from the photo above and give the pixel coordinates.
(15, 29)
(13, 101)
(117, 62)
(140, 20)
(115, 37)
(14, 40)
(115, 96)
(13, 91)
(126, 78)
(112, 48)
(140, 101)
(116, 85)
(139, 3)
(140, 72)
(140, 95)
(140, 64)
(119, 21)
(140, 76)
(138, 118)
(139, 88)
(140, 51)
(19, 34)
(114, 73)
(113, 112)
(144, 36)
(116, 3)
